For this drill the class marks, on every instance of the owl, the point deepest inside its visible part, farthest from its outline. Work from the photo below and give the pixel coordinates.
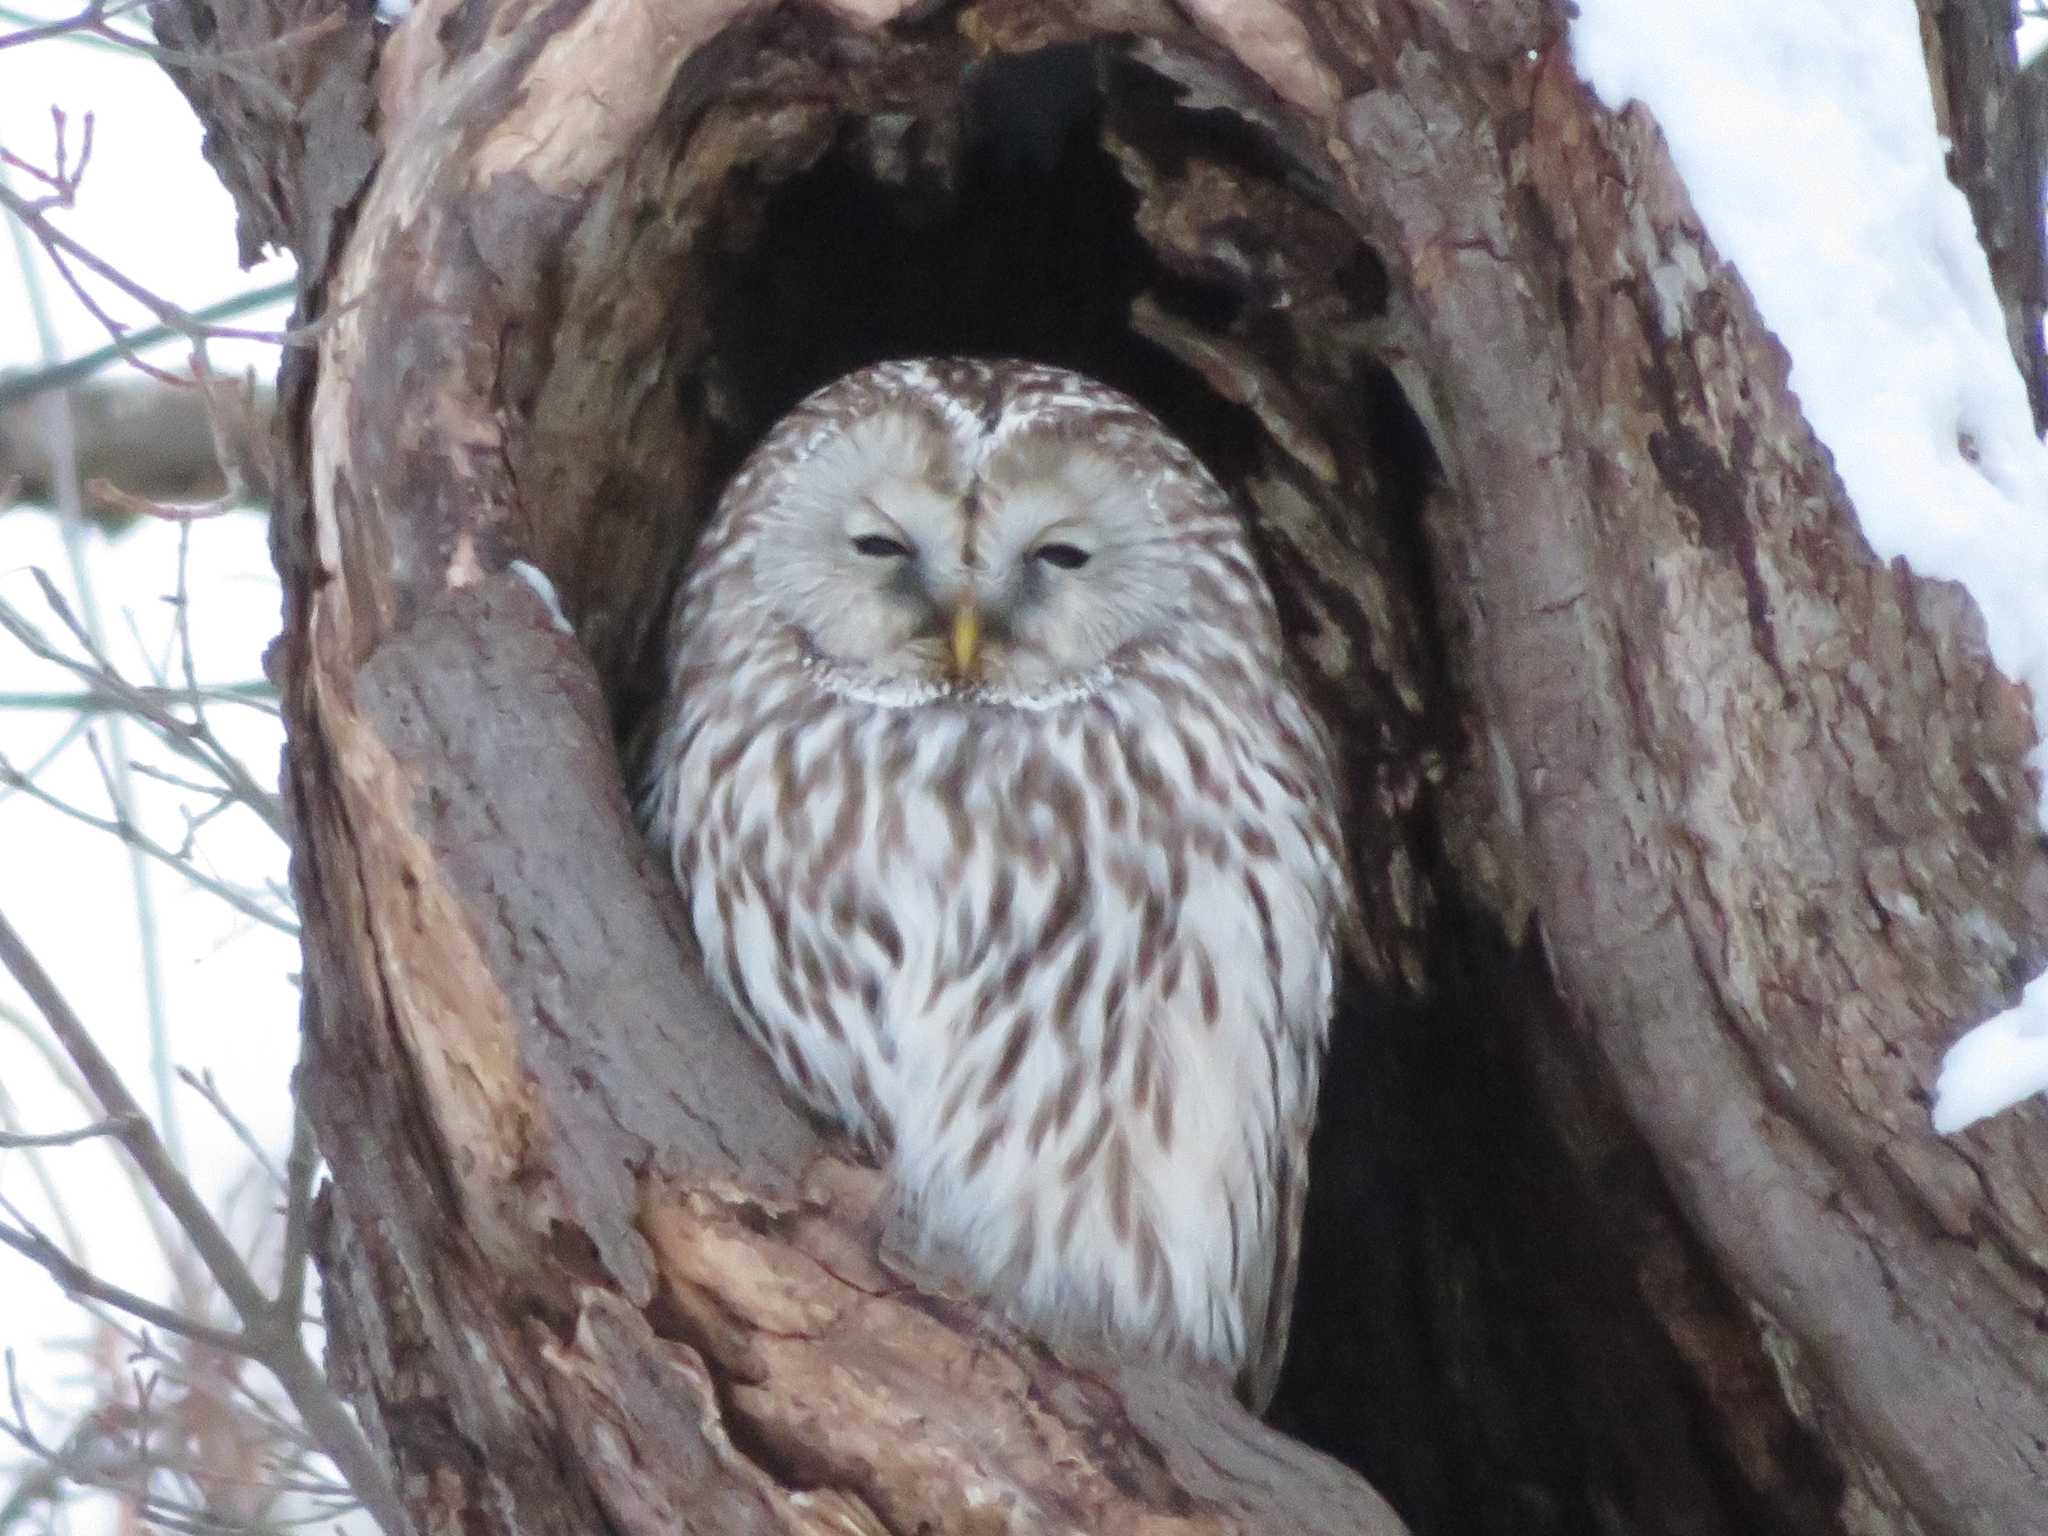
(1005, 834)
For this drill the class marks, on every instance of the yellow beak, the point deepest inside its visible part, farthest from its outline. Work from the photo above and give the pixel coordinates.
(966, 642)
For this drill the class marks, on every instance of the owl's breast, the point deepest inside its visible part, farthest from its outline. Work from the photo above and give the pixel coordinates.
(1069, 969)
(1106, 1028)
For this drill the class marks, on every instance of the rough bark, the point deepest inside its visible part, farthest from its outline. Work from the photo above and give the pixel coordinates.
(1689, 834)
(1994, 124)
(1766, 793)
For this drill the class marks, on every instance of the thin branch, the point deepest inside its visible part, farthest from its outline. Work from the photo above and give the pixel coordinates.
(27, 386)
(76, 1280)
(63, 249)
(256, 695)
(186, 324)
(179, 781)
(241, 1398)
(92, 305)
(135, 838)
(165, 1178)
(61, 1067)
(16, 1140)
(93, 1455)
(39, 1170)
(55, 750)
(63, 181)
(207, 1089)
(78, 35)
(195, 732)
(193, 741)
(300, 1166)
(95, 16)
(93, 26)
(72, 527)
(77, 1460)
(273, 1339)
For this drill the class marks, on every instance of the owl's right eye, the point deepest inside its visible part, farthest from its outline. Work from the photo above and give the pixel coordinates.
(879, 546)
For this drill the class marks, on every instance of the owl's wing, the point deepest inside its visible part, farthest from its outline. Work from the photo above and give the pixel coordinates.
(1320, 867)
(1267, 1291)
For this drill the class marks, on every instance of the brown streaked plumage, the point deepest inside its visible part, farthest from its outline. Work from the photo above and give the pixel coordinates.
(1006, 835)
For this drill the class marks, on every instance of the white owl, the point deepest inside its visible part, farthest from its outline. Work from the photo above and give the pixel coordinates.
(1007, 836)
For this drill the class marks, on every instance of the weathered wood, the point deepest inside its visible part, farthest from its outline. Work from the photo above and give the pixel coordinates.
(1768, 793)
(1689, 835)
(1995, 134)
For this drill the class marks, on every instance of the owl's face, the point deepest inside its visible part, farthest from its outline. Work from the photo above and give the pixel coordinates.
(933, 545)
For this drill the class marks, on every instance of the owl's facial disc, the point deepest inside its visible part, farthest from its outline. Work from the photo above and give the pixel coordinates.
(915, 554)
(1073, 563)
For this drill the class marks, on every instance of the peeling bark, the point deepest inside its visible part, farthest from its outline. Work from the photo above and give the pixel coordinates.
(1688, 833)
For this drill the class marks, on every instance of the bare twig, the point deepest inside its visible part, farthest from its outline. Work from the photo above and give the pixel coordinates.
(15, 1140)
(61, 245)
(207, 1089)
(61, 1068)
(232, 1392)
(94, 19)
(266, 1334)
(190, 739)
(179, 781)
(93, 25)
(26, 386)
(259, 696)
(172, 1436)
(73, 530)
(300, 1166)
(62, 249)
(110, 1447)
(231, 413)
(51, 753)
(135, 838)
(76, 1280)
(39, 1170)
(64, 178)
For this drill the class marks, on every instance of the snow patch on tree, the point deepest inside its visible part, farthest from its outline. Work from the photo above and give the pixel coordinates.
(1806, 135)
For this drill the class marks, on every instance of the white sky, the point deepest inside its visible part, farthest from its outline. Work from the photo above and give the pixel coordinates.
(150, 205)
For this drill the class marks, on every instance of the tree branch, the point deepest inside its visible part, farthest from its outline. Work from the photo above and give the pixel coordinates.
(267, 1337)
(15, 1140)
(78, 1281)
(153, 440)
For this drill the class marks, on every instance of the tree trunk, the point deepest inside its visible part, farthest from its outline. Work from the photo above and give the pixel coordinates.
(1689, 834)
(1993, 122)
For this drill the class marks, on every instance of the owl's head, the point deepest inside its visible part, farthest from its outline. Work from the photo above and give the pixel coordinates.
(1000, 530)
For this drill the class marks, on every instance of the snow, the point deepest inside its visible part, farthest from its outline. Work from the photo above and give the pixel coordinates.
(1997, 1064)
(1806, 135)
(537, 579)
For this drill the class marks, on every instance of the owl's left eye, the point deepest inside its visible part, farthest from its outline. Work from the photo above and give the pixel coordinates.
(879, 546)
(1067, 557)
